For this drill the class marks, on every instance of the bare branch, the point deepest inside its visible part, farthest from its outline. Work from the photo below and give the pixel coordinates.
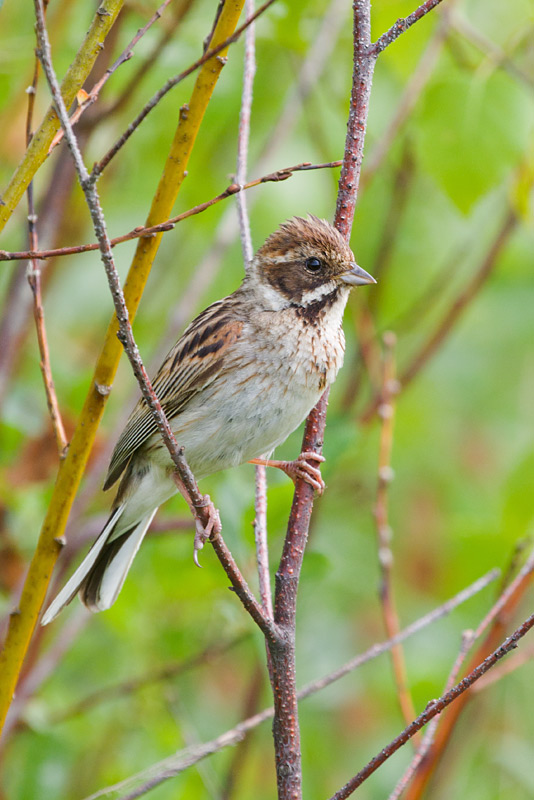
(170, 84)
(383, 529)
(401, 26)
(435, 707)
(467, 640)
(147, 779)
(141, 231)
(88, 99)
(33, 275)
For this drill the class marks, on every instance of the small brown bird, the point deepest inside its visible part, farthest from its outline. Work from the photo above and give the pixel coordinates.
(243, 376)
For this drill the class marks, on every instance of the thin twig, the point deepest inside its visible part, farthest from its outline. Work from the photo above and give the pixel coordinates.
(383, 529)
(468, 638)
(180, 11)
(451, 316)
(201, 506)
(401, 26)
(88, 98)
(170, 84)
(33, 275)
(171, 766)
(249, 70)
(165, 673)
(497, 618)
(260, 503)
(141, 231)
(435, 707)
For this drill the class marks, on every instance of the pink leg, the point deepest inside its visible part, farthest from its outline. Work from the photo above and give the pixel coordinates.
(202, 532)
(300, 468)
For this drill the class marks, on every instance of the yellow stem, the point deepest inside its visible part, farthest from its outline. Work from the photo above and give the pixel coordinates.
(22, 622)
(77, 73)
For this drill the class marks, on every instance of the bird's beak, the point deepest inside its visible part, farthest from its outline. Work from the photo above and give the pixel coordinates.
(356, 276)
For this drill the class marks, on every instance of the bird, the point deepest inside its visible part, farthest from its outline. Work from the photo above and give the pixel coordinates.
(243, 376)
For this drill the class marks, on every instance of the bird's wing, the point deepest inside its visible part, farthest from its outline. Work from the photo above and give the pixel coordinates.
(198, 357)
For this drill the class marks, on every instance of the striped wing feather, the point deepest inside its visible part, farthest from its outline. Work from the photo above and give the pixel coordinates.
(192, 364)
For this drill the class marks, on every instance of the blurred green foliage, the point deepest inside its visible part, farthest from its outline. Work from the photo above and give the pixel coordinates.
(463, 453)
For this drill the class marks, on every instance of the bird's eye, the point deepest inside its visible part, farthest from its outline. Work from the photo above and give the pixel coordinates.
(313, 264)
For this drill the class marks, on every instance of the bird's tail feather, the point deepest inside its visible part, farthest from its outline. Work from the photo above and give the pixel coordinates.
(100, 576)
(102, 584)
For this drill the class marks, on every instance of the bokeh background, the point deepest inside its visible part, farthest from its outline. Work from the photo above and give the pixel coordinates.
(447, 188)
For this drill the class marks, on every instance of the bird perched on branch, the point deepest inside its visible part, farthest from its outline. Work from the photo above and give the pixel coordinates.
(243, 376)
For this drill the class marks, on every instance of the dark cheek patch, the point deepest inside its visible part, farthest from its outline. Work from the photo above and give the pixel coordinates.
(292, 280)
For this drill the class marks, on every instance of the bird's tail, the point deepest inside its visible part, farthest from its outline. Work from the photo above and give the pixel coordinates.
(100, 576)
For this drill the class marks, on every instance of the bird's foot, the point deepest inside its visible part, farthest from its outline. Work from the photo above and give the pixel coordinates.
(203, 532)
(299, 468)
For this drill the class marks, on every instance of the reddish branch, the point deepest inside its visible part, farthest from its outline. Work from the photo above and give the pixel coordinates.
(434, 708)
(497, 617)
(87, 100)
(383, 530)
(451, 316)
(401, 26)
(140, 231)
(33, 275)
(286, 712)
(170, 84)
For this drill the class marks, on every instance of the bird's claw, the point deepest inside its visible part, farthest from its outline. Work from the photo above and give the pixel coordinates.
(203, 532)
(299, 468)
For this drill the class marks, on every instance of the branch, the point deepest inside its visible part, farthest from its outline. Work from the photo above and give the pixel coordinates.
(156, 774)
(383, 529)
(216, 53)
(77, 73)
(435, 707)
(92, 96)
(467, 640)
(141, 231)
(401, 26)
(497, 618)
(289, 778)
(33, 275)
(71, 469)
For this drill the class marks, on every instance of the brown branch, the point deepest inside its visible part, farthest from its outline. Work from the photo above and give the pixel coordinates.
(156, 774)
(33, 275)
(87, 99)
(497, 618)
(467, 640)
(289, 778)
(133, 84)
(144, 232)
(435, 707)
(170, 84)
(158, 675)
(451, 316)
(383, 529)
(34, 279)
(401, 26)
(201, 506)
